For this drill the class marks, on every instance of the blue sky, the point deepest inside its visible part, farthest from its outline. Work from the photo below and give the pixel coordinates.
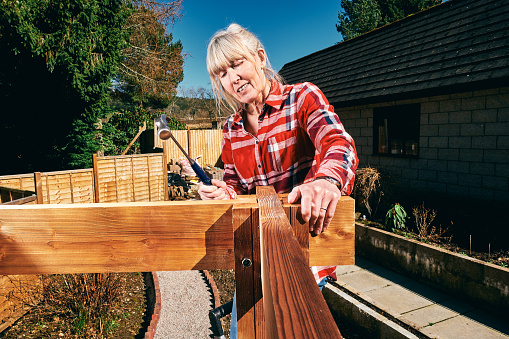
(288, 30)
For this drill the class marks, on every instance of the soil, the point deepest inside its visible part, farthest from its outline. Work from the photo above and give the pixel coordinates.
(125, 319)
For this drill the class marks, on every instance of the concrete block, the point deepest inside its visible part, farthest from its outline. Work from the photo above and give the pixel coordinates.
(448, 154)
(460, 142)
(430, 107)
(497, 156)
(439, 118)
(449, 130)
(495, 182)
(440, 142)
(485, 115)
(503, 114)
(503, 142)
(497, 101)
(482, 168)
(471, 129)
(471, 154)
(450, 105)
(499, 128)
(485, 142)
(460, 117)
(468, 104)
(429, 130)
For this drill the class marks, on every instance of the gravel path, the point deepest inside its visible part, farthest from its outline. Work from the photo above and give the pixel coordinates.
(185, 304)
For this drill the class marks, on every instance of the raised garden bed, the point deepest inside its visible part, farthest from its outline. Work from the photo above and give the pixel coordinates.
(481, 282)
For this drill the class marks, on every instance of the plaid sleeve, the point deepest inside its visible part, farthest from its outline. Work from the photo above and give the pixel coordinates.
(337, 156)
(231, 177)
(320, 272)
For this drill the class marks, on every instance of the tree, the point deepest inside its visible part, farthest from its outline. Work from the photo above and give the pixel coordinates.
(357, 17)
(151, 68)
(58, 59)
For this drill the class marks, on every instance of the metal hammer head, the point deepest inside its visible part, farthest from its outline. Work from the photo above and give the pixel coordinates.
(163, 130)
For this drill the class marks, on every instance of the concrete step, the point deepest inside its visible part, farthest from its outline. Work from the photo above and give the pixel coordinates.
(388, 305)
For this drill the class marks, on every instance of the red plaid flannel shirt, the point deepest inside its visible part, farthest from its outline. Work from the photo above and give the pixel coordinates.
(299, 139)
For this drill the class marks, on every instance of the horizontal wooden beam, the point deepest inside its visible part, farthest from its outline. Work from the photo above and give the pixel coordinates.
(119, 237)
(293, 304)
(146, 236)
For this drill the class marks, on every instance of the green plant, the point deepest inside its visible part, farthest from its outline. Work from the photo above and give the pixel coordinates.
(396, 217)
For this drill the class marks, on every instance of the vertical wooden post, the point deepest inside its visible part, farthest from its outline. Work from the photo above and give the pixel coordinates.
(38, 187)
(165, 171)
(116, 178)
(132, 179)
(47, 189)
(189, 142)
(96, 177)
(71, 187)
(243, 250)
(250, 311)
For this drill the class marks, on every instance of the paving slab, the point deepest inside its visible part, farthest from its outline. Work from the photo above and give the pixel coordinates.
(428, 315)
(461, 327)
(397, 300)
(415, 306)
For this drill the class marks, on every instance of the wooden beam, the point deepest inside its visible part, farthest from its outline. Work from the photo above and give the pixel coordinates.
(293, 310)
(141, 129)
(120, 237)
(146, 236)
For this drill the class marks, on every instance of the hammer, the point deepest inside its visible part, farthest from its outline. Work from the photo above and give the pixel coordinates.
(164, 133)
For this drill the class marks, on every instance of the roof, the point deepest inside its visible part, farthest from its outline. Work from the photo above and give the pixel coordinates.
(456, 46)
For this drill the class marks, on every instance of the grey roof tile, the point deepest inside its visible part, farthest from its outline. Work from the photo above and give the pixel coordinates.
(450, 46)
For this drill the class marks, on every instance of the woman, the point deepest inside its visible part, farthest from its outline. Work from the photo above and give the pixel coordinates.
(287, 136)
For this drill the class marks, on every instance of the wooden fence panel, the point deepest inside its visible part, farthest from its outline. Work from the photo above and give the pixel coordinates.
(206, 143)
(141, 181)
(128, 178)
(59, 187)
(158, 178)
(18, 181)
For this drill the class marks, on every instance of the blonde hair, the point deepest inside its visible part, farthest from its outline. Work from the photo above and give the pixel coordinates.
(224, 48)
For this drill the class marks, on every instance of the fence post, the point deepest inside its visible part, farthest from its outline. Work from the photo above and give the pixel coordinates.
(38, 187)
(96, 177)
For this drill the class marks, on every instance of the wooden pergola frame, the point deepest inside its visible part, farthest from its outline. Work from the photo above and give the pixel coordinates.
(261, 237)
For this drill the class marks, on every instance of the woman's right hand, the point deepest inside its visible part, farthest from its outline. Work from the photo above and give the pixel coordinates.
(216, 191)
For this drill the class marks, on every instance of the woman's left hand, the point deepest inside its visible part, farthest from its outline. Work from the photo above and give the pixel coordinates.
(318, 203)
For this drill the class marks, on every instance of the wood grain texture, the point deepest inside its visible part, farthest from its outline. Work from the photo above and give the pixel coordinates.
(129, 237)
(339, 239)
(299, 308)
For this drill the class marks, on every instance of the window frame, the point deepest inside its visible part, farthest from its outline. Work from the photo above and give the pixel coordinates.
(405, 121)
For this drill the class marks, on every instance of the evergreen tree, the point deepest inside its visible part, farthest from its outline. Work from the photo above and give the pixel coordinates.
(58, 59)
(357, 17)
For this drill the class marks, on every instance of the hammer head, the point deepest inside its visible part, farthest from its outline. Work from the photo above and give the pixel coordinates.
(163, 130)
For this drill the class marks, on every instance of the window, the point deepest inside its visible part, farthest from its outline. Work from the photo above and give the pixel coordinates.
(396, 130)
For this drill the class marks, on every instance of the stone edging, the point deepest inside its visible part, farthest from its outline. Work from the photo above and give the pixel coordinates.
(213, 287)
(156, 314)
(465, 277)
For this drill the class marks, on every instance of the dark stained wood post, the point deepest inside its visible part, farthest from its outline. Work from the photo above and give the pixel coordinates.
(293, 310)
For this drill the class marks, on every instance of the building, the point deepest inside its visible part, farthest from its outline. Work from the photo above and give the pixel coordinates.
(426, 97)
